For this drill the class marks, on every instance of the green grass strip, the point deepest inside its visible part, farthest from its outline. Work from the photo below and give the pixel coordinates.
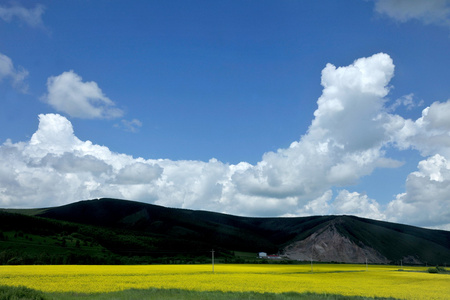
(23, 293)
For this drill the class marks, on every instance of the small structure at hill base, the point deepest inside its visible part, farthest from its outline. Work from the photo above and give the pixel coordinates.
(262, 255)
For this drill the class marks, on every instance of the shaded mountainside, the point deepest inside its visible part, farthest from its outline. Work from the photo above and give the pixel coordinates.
(134, 228)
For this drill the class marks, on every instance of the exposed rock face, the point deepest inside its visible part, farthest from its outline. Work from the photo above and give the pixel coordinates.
(328, 245)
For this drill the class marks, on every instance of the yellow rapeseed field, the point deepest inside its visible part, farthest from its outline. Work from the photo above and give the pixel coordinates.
(381, 281)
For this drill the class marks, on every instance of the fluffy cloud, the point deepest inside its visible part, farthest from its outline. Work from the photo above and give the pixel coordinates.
(343, 143)
(138, 173)
(357, 204)
(67, 93)
(347, 139)
(426, 201)
(430, 11)
(31, 17)
(54, 164)
(9, 72)
(429, 134)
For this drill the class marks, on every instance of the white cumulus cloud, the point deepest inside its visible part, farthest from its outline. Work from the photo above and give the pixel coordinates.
(348, 137)
(426, 201)
(67, 93)
(429, 134)
(357, 204)
(343, 143)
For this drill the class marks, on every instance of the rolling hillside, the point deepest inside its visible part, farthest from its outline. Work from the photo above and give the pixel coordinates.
(123, 228)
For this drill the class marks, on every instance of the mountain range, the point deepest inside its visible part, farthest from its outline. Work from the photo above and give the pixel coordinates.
(134, 232)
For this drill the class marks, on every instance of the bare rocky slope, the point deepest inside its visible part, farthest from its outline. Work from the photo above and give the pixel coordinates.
(329, 245)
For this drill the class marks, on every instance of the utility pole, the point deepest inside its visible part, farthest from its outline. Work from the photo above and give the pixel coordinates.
(366, 264)
(212, 259)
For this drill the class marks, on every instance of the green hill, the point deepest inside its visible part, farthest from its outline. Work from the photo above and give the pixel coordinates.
(120, 231)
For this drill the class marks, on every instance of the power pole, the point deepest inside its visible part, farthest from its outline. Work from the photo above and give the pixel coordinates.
(366, 264)
(212, 259)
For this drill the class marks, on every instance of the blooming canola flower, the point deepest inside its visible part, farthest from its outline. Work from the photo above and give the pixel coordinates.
(351, 280)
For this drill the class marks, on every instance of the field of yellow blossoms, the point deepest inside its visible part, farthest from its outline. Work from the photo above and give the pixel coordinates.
(381, 281)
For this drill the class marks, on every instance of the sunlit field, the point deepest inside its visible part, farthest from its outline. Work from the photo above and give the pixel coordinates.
(350, 280)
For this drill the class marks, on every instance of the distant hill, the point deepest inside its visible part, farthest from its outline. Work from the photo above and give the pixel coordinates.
(133, 229)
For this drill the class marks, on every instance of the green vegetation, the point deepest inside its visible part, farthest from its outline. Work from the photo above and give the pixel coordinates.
(35, 240)
(438, 270)
(22, 293)
(31, 240)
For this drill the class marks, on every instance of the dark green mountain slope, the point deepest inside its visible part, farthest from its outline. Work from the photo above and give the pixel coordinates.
(31, 240)
(397, 241)
(157, 231)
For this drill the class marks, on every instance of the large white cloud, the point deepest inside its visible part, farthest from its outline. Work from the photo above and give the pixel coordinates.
(343, 143)
(67, 93)
(15, 75)
(430, 134)
(347, 139)
(426, 201)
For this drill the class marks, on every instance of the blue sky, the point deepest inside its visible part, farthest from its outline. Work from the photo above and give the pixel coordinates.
(256, 108)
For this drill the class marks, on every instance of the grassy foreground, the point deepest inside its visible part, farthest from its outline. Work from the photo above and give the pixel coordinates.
(23, 293)
(227, 281)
